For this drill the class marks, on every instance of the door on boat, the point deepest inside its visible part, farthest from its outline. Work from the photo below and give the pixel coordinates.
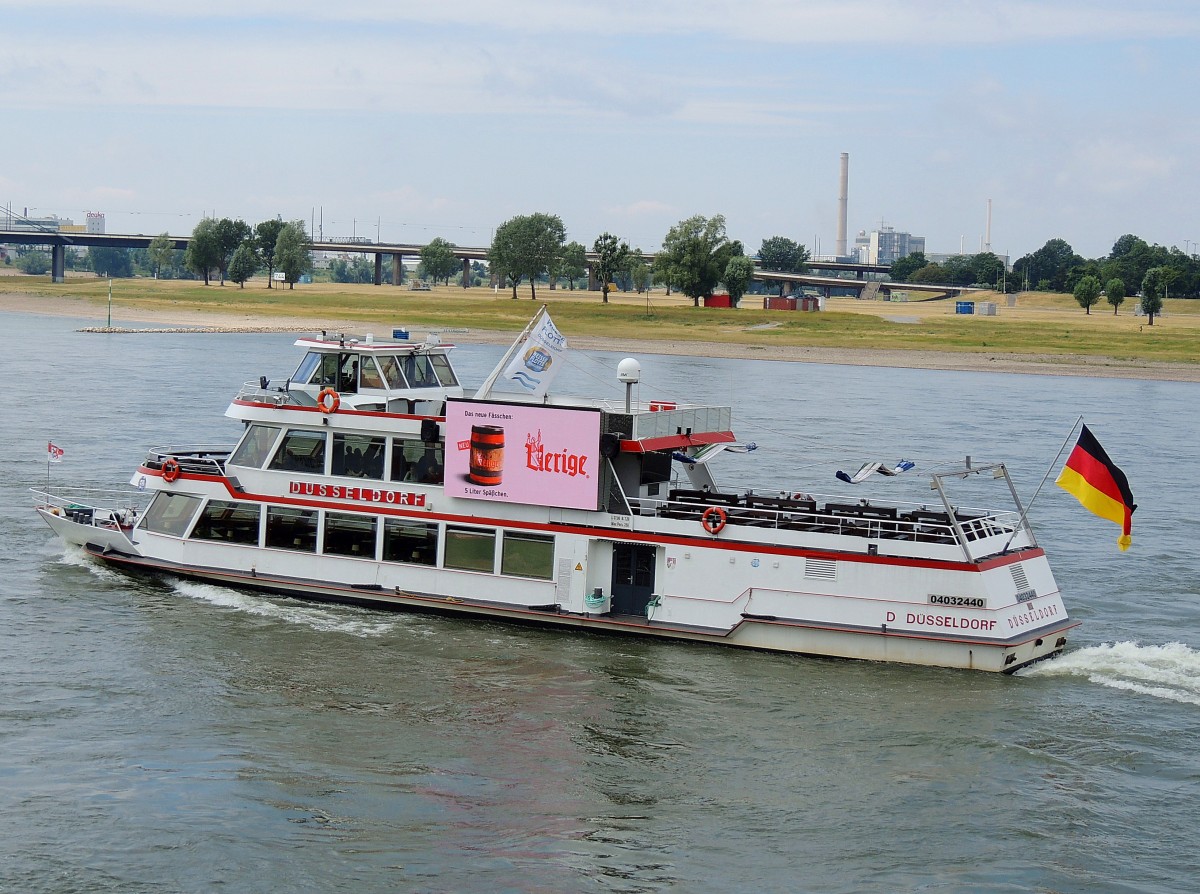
(633, 578)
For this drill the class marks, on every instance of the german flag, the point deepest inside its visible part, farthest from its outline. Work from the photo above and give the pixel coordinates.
(1096, 482)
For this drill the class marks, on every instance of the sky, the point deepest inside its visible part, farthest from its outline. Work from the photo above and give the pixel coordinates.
(402, 121)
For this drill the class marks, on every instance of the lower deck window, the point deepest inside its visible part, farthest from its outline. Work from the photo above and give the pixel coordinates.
(349, 535)
(289, 528)
(408, 541)
(470, 549)
(229, 522)
(527, 555)
(170, 514)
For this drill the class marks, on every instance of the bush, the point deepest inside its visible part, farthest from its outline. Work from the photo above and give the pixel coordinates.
(34, 263)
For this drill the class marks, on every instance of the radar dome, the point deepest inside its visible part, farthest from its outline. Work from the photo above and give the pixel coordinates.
(629, 370)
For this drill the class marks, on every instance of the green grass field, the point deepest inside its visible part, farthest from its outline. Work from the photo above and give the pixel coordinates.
(1039, 324)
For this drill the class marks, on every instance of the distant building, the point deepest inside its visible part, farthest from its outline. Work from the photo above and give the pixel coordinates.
(95, 222)
(885, 245)
(13, 220)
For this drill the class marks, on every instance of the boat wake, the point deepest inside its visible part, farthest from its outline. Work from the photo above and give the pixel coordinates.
(1170, 671)
(334, 619)
(78, 557)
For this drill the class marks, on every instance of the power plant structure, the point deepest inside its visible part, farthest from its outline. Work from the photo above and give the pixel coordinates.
(843, 194)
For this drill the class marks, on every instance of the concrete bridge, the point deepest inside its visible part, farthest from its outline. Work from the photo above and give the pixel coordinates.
(58, 243)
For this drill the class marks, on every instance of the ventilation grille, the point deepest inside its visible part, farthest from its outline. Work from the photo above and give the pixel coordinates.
(820, 569)
(1019, 578)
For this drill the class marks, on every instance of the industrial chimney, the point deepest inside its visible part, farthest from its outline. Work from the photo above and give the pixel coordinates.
(987, 237)
(843, 190)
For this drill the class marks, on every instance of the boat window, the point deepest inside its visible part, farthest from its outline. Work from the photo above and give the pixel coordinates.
(441, 367)
(368, 373)
(527, 555)
(415, 460)
(419, 371)
(347, 382)
(229, 522)
(309, 365)
(170, 514)
(349, 535)
(255, 446)
(327, 374)
(391, 371)
(358, 456)
(409, 541)
(289, 528)
(301, 451)
(470, 549)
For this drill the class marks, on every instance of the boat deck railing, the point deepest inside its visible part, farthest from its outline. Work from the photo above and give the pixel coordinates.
(193, 460)
(911, 522)
(93, 506)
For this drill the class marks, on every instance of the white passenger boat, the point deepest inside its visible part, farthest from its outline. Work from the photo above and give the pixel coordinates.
(370, 477)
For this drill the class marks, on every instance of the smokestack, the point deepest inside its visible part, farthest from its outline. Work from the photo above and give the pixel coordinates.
(843, 191)
(987, 237)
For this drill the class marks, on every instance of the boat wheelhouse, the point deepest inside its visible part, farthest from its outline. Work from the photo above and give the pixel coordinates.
(370, 477)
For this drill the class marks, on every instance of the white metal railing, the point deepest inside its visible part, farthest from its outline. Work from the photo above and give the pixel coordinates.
(203, 460)
(94, 506)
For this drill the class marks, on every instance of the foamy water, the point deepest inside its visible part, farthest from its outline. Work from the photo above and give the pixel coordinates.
(333, 619)
(1170, 671)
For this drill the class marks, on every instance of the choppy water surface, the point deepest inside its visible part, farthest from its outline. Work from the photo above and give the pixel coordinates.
(166, 736)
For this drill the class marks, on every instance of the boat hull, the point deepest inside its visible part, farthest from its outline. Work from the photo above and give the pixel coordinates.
(794, 636)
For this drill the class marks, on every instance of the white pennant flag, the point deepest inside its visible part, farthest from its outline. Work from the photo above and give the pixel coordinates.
(538, 360)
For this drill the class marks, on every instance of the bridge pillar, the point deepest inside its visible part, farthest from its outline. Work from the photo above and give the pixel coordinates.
(397, 268)
(593, 283)
(466, 273)
(58, 263)
(378, 268)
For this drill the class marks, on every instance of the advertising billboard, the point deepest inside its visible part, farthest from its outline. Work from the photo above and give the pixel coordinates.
(521, 453)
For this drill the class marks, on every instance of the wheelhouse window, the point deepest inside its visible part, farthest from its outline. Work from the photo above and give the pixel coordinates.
(443, 370)
(420, 371)
(470, 549)
(304, 372)
(390, 364)
(301, 451)
(255, 446)
(409, 541)
(368, 373)
(527, 555)
(358, 456)
(170, 514)
(414, 460)
(229, 522)
(349, 535)
(289, 528)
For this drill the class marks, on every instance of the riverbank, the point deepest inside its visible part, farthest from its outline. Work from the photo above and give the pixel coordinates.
(166, 318)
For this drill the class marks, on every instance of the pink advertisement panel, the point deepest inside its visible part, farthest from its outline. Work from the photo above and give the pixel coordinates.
(517, 453)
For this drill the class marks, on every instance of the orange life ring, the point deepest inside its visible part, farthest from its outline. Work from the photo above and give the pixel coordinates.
(713, 519)
(170, 470)
(333, 402)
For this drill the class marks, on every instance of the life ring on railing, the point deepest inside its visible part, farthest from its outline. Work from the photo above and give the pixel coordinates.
(170, 470)
(328, 401)
(713, 519)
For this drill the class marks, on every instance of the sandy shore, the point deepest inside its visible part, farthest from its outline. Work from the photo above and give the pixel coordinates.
(150, 321)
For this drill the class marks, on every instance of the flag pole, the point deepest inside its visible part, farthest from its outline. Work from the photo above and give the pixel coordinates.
(486, 387)
(1053, 463)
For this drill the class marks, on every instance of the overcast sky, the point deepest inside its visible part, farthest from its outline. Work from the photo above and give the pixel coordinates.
(410, 120)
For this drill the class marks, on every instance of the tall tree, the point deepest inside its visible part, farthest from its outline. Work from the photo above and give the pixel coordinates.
(1154, 289)
(639, 270)
(293, 252)
(695, 253)
(160, 252)
(230, 234)
(527, 246)
(903, 268)
(1087, 292)
(781, 254)
(1114, 293)
(738, 273)
(1049, 266)
(113, 262)
(572, 263)
(203, 251)
(244, 264)
(266, 234)
(439, 259)
(611, 255)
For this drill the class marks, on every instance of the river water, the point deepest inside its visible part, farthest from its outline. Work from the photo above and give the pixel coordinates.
(158, 736)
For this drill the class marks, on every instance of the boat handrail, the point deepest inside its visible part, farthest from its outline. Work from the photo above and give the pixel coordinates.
(864, 519)
(201, 460)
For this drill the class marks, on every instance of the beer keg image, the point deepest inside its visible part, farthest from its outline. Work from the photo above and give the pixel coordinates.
(487, 454)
